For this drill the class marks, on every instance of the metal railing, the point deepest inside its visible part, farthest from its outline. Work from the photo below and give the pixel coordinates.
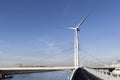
(103, 74)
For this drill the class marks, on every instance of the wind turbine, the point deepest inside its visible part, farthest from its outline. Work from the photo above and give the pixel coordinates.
(76, 41)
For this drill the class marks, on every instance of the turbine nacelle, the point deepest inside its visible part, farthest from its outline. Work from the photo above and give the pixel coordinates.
(78, 29)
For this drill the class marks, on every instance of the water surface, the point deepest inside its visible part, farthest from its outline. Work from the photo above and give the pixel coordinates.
(54, 75)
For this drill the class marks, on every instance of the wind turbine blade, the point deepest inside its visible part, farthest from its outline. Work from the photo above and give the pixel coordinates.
(83, 20)
(71, 28)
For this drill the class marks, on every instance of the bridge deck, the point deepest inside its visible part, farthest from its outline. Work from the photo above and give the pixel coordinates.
(34, 68)
(20, 70)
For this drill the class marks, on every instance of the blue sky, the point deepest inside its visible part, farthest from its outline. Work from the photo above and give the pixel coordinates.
(34, 31)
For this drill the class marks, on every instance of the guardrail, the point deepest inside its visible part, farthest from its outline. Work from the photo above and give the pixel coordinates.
(103, 74)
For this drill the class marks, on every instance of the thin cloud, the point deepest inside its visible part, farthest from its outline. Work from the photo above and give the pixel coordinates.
(49, 54)
(6, 58)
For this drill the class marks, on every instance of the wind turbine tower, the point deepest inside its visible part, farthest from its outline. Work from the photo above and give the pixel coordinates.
(76, 41)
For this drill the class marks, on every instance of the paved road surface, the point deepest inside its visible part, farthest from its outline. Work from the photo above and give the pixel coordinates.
(82, 74)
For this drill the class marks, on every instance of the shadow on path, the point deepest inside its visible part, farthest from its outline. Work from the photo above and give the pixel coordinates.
(82, 74)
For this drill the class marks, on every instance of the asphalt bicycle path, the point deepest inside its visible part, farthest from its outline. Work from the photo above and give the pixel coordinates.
(82, 74)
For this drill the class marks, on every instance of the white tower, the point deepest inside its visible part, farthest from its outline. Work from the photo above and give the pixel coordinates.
(76, 41)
